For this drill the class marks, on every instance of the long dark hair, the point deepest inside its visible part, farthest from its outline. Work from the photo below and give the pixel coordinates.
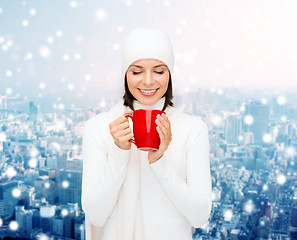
(129, 98)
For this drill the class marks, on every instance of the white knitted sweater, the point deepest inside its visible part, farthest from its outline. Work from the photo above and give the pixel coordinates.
(126, 198)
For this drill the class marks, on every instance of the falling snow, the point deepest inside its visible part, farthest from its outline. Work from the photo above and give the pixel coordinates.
(65, 184)
(248, 120)
(13, 225)
(44, 52)
(101, 15)
(16, 193)
(25, 23)
(32, 11)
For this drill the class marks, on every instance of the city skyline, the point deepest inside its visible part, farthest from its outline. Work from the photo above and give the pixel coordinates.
(254, 189)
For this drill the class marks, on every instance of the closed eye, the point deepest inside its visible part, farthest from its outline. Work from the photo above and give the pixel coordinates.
(135, 73)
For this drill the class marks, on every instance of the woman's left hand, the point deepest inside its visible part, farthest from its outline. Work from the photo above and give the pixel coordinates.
(164, 130)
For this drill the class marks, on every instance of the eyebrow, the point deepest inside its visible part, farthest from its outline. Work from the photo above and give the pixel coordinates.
(154, 66)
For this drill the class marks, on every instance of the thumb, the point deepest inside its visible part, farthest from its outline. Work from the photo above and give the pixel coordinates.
(127, 111)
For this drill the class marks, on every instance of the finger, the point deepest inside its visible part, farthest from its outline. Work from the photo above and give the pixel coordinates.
(124, 132)
(161, 125)
(126, 138)
(163, 145)
(164, 119)
(121, 119)
(120, 127)
(166, 132)
(118, 121)
(161, 134)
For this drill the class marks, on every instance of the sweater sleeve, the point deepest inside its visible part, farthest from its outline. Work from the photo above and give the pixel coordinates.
(192, 198)
(103, 174)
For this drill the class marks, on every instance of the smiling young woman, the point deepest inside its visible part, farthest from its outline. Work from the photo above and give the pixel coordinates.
(128, 194)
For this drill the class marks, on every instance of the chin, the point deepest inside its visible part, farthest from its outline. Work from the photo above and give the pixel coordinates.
(148, 101)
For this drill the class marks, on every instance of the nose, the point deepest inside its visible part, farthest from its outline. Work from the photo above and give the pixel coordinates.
(148, 79)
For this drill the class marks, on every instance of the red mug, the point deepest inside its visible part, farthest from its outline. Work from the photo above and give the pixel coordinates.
(146, 137)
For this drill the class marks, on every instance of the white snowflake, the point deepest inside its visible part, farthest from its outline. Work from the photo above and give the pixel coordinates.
(42, 85)
(77, 56)
(32, 163)
(45, 52)
(267, 138)
(281, 179)
(32, 11)
(50, 39)
(101, 15)
(9, 43)
(73, 4)
(4, 47)
(16, 193)
(87, 78)
(64, 212)
(65, 184)
(228, 215)
(129, 2)
(25, 23)
(65, 57)
(28, 56)
(13, 225)
(8, 73)
(70, 86)
(281, 100)
(166, 3)
(248, 120)
(8, 91)
(59, 33)
(10, 172)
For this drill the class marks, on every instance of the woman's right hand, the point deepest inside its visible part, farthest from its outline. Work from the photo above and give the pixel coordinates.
(121, 131)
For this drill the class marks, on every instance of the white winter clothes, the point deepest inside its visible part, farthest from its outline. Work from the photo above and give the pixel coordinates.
(126, 198)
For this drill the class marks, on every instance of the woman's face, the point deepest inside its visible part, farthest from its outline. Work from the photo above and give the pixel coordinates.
(147, 80)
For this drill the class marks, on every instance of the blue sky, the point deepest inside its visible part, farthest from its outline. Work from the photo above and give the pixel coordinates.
(69, 51)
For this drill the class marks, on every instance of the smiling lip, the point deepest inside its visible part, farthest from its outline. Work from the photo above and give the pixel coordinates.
(148, 92)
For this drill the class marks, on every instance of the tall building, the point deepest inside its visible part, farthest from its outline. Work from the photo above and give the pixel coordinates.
(47, 214)
(24, 219)
(293, 225)
(33, 111)
(70, 186)
(263, 228)
(79, 227)
(233, 126)
(3, 102)
(3, 107)
(7, 200)
(256, 120)
(57, 226)
(69, 214)
(61, 160)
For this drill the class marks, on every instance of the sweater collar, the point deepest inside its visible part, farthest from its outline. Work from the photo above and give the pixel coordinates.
(158, 105)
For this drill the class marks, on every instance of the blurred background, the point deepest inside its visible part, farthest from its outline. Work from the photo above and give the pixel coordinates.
(235, 66)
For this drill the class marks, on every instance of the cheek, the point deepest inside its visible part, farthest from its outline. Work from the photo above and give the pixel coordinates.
(132, 82)
(163, 81)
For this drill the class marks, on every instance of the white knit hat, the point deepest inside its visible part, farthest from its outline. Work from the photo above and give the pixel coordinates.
(147, 43)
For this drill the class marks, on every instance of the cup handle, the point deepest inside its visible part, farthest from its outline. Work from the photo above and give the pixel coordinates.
(130, 115)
